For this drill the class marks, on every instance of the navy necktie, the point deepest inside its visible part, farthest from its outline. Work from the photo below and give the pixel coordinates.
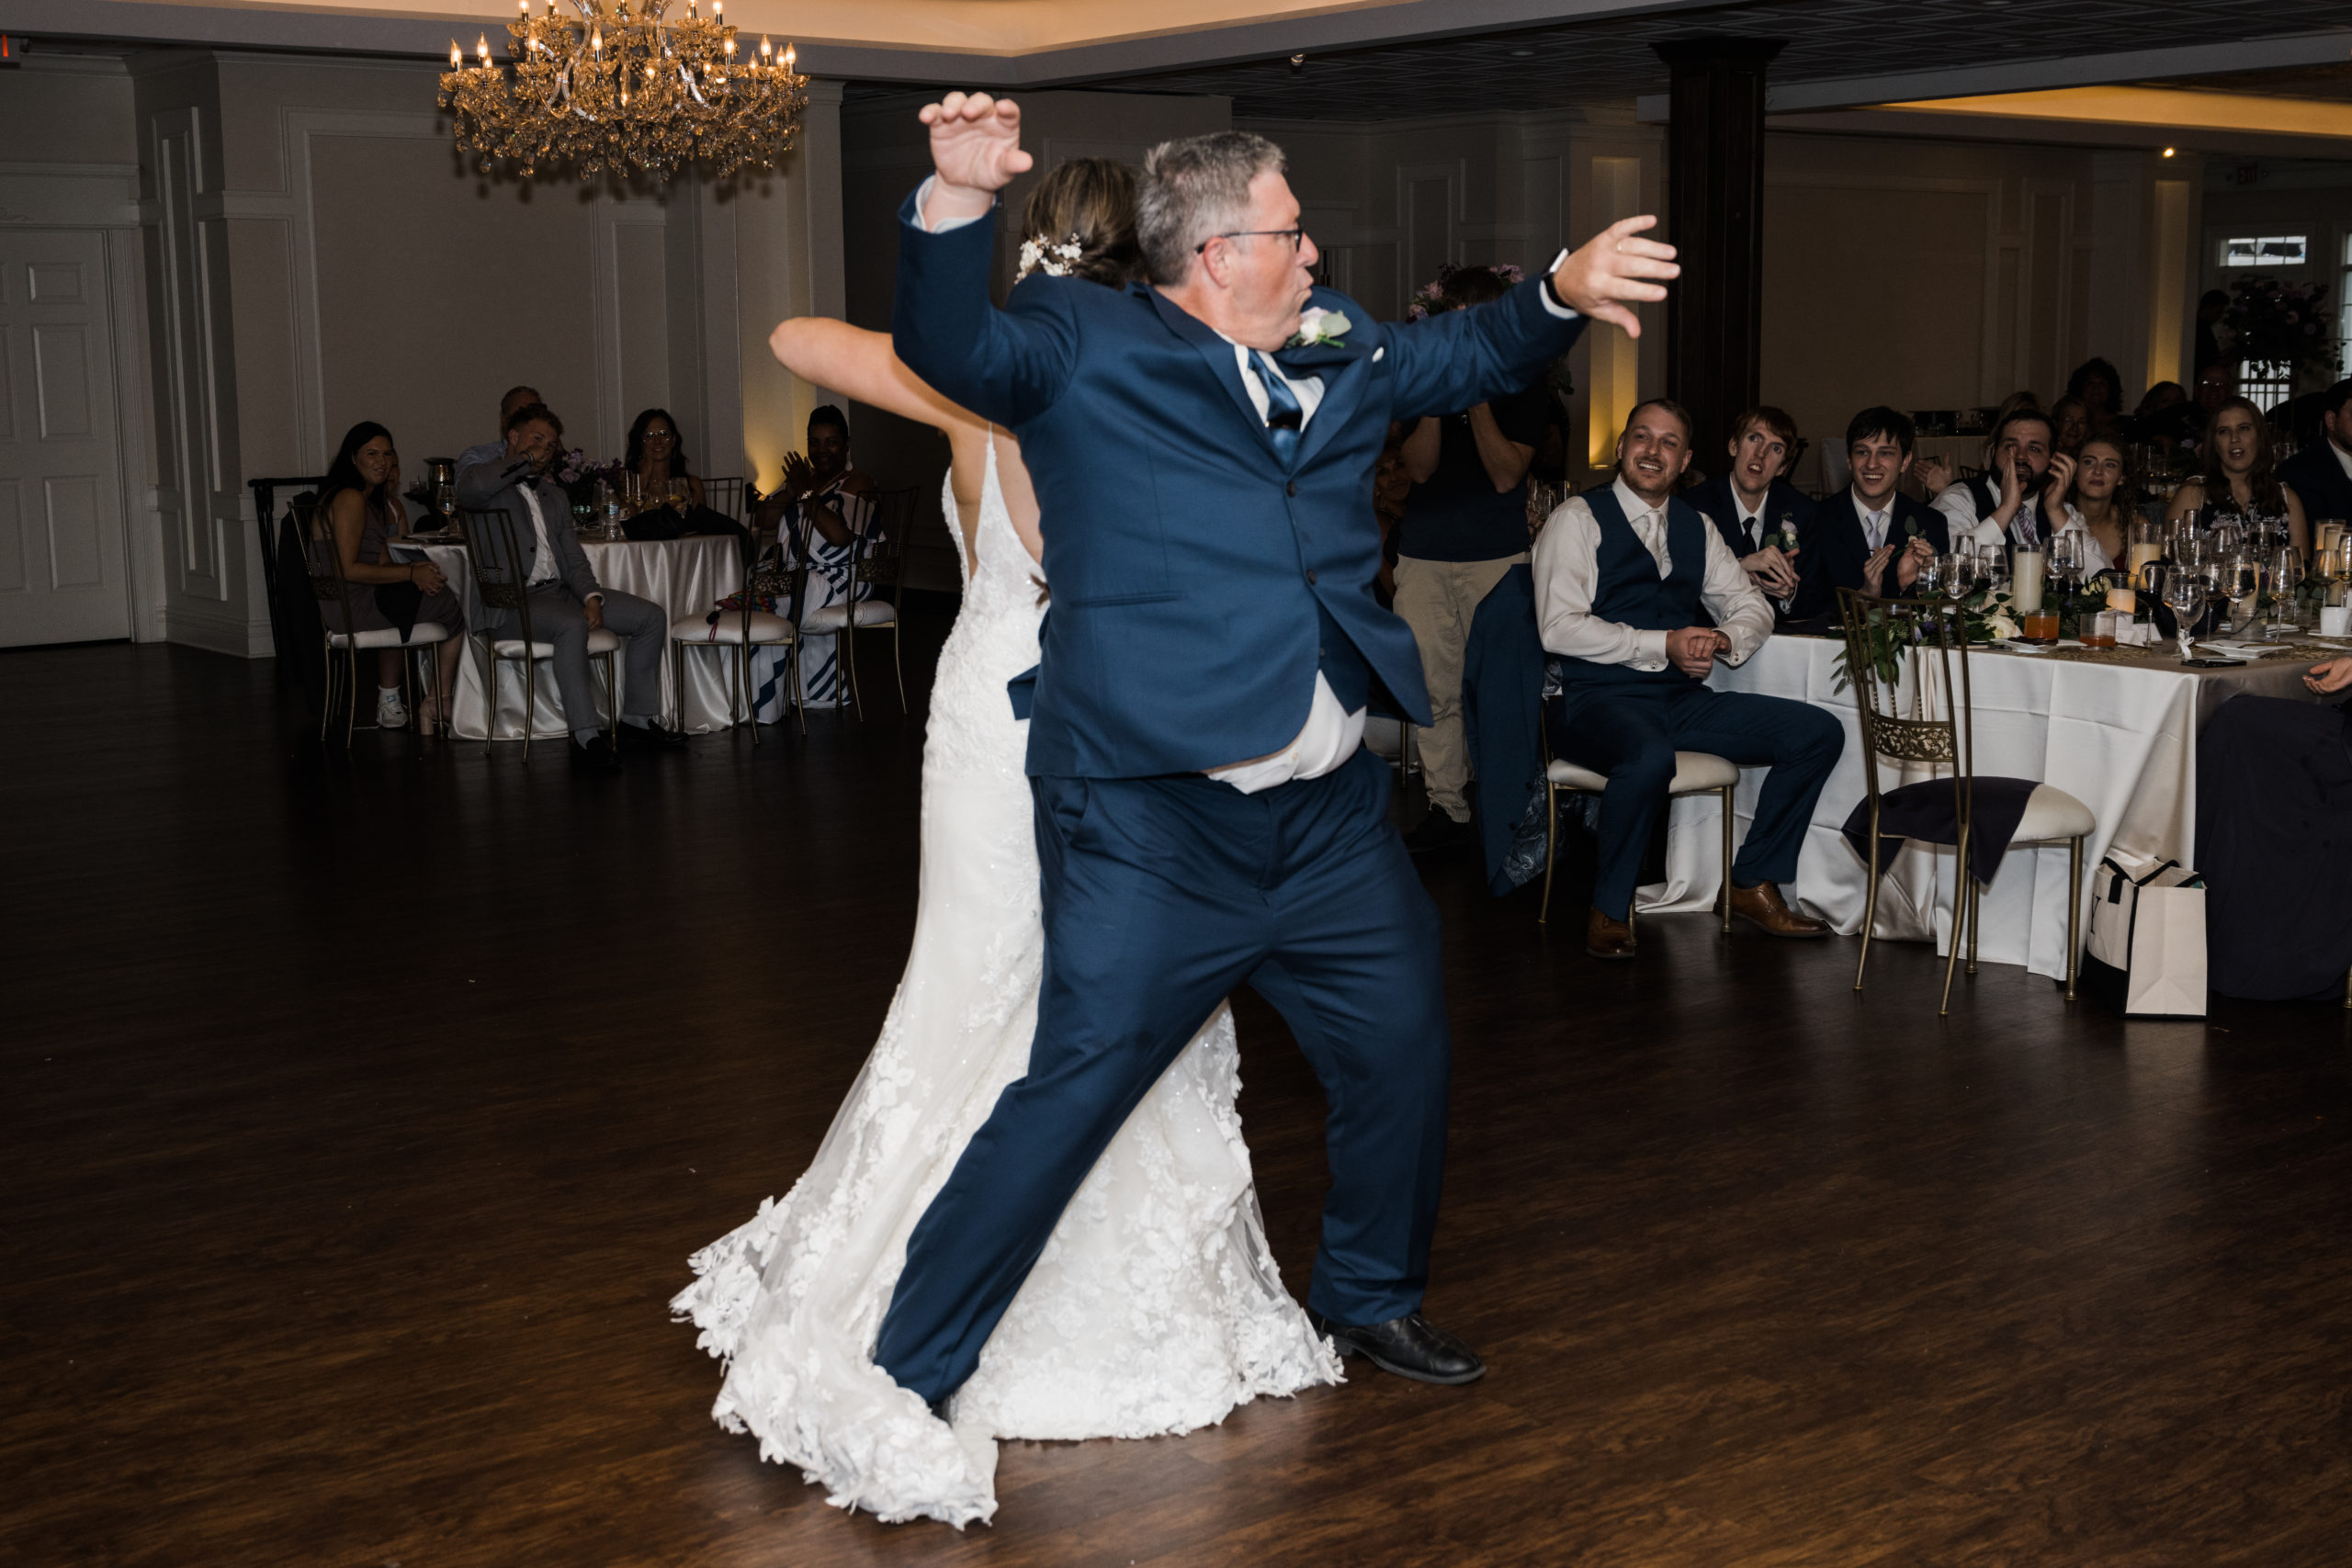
(1282, 415)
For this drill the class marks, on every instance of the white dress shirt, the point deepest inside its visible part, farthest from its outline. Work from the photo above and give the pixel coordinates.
(1566, 564)
(543, 563)
(1958, 504)
(1332, 733)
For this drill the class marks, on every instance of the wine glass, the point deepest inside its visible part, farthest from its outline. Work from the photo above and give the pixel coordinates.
(1931, 581)
(2243, 578)
(1960, 575)
(2227, 534)
(2185, 596)
(1992, 566)
(2286, 570)
(2066, 561)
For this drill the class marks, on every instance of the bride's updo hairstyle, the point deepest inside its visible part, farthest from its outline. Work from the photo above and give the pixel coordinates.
(1088, 206)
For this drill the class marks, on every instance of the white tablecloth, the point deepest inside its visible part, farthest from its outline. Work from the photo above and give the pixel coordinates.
(2121, 739)
(686, 577)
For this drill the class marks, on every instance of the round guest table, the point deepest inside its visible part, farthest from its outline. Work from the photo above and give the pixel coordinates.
(686, 577)
(2117, 730)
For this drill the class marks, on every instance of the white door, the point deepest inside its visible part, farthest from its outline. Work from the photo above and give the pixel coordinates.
(61, 569)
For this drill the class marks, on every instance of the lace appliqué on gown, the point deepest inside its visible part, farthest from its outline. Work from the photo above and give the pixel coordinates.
(1154, 1308)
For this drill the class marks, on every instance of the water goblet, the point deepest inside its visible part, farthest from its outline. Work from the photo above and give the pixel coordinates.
(2286, 571)
(2241, 576)
(2185, 596)
(2066, 562)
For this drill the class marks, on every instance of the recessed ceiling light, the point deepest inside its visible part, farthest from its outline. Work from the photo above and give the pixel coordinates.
(2170, 151)
(1523, 54)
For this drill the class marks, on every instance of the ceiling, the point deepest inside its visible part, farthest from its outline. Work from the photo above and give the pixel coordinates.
(1545, 67)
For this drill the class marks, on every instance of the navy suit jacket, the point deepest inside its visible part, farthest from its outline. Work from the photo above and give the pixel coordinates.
(1844, 549)
(1198, 580)
(2318, 481)
(1715, 502)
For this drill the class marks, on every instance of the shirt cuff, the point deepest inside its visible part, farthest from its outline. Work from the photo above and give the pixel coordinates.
(922, 199)
(594, 593)
(1552, 301)
(1649, 650)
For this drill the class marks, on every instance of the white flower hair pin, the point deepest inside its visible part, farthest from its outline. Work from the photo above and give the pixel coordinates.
(1317, 326)
(1054, 261)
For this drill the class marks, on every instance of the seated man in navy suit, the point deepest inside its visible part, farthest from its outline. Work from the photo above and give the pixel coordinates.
(1872, 537)
(1626, 578)
(2321, 473)
(1758, 512)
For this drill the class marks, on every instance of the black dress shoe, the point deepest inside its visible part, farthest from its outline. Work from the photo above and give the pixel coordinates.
(650, 737)
(1411, 1346)
(594, 758)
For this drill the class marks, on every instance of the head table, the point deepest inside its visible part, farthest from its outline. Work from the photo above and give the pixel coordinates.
(686, 577)
(2117, 730)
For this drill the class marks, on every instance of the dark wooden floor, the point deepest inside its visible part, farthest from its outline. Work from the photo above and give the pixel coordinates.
(359, 1119)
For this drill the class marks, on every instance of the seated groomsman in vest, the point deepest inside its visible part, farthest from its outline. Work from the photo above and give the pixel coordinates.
(1758, 512)
(1626, 580)
(2021, 490)
(1874, 537)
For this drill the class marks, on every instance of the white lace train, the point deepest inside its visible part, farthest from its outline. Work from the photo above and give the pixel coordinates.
(1155, 1307)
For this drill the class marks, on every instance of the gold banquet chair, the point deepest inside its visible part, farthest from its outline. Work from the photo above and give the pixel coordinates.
(877, 557)
(491, 549)
(743, 630)
(329, 586)
(1695, 772)
(1881, 634)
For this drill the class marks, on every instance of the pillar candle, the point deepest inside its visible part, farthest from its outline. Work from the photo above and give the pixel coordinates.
(2122, 601)
(2024, 581)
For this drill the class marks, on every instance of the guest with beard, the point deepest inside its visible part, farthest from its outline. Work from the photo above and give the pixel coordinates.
(2023, 487)
(567, 602)
(1627, 581)
(658, 457)
(1873, 537)
(1754, 504)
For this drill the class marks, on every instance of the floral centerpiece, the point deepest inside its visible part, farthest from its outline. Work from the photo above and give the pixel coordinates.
(578, 476)
(2283, 323)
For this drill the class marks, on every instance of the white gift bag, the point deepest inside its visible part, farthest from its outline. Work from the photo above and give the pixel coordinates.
(2147, 941)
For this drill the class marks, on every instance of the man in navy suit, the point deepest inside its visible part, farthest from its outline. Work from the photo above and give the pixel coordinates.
(2321, 472)
(1752, 506)
(1873, 537)
(1206, 814)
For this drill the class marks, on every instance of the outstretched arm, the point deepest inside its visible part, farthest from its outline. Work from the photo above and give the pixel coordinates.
(1007, 366)
(863, 365)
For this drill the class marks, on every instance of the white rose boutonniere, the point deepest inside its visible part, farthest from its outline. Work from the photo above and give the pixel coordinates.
(1319, 327)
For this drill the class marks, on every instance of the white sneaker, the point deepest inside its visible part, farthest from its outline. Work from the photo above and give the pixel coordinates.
(390, 713)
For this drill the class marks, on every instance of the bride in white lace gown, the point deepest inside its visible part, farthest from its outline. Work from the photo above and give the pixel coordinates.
(1156, 1308)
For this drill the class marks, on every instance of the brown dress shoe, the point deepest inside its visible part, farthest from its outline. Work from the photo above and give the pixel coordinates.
(1762, 905)
(1605, 938)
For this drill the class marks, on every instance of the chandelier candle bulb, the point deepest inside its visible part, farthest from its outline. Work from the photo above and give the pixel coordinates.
(457, 56)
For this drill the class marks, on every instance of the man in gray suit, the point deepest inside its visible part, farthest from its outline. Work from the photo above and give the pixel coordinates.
(567, 603)
(516, 398)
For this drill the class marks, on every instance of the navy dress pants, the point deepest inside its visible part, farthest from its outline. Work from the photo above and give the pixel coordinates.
(1632, 731)
(1160, 896)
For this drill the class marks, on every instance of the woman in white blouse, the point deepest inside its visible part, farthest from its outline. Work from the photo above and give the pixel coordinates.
(2102, 503)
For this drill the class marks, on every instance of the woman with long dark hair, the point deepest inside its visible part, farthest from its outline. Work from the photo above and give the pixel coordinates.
(360, 502)
(2102, 502)
(2241, 474)
(657, 455)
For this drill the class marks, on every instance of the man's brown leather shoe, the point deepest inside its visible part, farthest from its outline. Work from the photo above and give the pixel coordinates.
(1605, 938)
(1761, 905)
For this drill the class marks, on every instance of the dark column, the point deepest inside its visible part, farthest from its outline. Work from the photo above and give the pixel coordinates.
(1715, 217)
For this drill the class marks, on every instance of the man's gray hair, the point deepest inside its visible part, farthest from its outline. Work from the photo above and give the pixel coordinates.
(1192, 188)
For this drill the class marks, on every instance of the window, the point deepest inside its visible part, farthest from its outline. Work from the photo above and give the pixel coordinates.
(2266, 383)
(2266, 250)
(2343, 315)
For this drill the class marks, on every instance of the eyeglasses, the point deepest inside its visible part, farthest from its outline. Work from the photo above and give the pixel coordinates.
(1294, 235)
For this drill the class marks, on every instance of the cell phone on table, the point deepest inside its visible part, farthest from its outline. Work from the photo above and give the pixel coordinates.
(2212, 663)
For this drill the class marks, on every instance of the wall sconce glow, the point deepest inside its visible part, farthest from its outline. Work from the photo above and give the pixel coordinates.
(2170, 151)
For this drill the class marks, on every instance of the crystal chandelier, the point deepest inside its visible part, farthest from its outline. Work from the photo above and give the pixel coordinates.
(609, 87)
